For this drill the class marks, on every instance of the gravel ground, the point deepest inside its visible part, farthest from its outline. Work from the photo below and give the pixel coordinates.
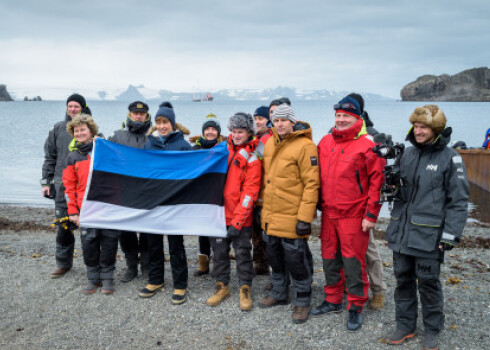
(38, 312)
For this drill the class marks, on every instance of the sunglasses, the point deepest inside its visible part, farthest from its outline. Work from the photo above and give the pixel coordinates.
(344, 106)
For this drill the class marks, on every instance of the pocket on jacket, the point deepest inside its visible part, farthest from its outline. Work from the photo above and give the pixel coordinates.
(423, 232)
(392, 229)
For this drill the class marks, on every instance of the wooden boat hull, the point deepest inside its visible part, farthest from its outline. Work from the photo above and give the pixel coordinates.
(477, 162)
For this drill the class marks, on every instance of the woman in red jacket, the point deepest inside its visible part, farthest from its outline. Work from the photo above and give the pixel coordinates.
(99, 245)
(241, 190)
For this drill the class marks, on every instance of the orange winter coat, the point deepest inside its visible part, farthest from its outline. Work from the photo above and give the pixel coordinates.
(242, 185)
(291, 182)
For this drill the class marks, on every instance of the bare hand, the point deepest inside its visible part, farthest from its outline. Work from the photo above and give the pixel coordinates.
(367, 225)
(75, 219)
(45, 191)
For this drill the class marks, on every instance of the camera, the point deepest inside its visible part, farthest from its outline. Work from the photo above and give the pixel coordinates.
(387, 149)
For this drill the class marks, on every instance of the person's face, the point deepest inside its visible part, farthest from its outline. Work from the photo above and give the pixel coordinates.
(271, 110)
(138, 116)
(261, 124)
(210, 133)
(344, 121)
(239, 136)
(423, 134)
(164, 126)
(73, 108)
(82, 133)
(283, 126)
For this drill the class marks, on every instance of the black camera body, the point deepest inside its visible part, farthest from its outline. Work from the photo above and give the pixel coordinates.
(387, 149)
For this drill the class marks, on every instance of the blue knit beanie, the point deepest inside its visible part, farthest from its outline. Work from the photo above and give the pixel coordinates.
(166, 113)
(262, 111)
(349, 105)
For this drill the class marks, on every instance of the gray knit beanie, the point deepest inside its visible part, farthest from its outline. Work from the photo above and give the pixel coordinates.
(242, 121)
(284, 111)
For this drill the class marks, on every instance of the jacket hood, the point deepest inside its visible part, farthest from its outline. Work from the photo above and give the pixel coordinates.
(441, 140)
(299, 129)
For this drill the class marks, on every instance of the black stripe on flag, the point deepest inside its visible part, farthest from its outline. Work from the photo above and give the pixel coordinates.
(141, 193)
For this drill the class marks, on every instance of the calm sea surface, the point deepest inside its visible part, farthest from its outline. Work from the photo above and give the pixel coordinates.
(25, 126)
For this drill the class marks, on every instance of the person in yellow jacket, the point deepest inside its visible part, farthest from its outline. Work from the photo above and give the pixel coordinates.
(290, 195)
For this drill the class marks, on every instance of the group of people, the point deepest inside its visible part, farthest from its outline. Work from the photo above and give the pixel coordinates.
(277, 179)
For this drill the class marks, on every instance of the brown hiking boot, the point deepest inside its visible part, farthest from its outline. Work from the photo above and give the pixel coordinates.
(150, 290)
(245, 298)
(59, 272)
(269, 301)
(202, 265)
(377, 302)
(300, 314)
(221, 292)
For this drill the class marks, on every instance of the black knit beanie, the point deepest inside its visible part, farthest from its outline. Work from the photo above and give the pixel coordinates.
(77, 98)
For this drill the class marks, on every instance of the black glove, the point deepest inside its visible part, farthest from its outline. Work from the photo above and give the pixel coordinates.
(232, 232)
(448, 241)
(258, 216)
(303, 228)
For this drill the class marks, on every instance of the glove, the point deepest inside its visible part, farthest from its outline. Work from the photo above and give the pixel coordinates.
(303, 228)
(258, 216)
(232, 232)
(448, 241)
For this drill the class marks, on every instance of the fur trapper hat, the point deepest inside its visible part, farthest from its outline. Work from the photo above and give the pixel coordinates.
(430, 115)
(242, 120)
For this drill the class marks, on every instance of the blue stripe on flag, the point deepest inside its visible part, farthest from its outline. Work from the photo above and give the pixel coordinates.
(168, 165)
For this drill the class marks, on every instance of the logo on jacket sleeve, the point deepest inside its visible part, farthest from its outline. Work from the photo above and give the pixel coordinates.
(314, 161)
(432, 167)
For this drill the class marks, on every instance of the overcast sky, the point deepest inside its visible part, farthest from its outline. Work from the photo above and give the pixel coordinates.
(362, 45)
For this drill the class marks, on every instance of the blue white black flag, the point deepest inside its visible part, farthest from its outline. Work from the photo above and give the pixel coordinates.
(171, 192)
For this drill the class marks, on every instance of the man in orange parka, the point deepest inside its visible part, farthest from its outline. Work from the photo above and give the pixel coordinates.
(351, 176)
(240, 193)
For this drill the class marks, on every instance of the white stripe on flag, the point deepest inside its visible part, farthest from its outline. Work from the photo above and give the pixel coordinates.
(182, 219)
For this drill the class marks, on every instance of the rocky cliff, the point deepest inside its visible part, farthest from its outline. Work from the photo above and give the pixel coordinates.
(4, 95)
(472, 85)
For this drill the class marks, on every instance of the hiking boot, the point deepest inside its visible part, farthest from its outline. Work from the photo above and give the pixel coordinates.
(91, 288)
(354, 322)
(431, 341)
(245, 298)
(325, 308)
(268, 287)
(179, 296)
(377, 302)
(202, 265)
(221, 292)
(107, 287)
(130, 274)
(269, 301)
(150, 290)
(300, 314)
(399, 336)
(261, 268)
(59, 272)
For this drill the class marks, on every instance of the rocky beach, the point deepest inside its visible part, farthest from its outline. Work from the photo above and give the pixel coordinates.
(39, 312)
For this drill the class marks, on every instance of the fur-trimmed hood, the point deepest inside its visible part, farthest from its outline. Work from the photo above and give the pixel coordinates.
(430, 115)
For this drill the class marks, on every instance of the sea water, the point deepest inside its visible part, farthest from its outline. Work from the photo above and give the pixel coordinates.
(25, 126)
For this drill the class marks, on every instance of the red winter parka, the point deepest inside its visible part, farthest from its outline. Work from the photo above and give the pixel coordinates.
(75, 176)
(243, 183)
(351, 174)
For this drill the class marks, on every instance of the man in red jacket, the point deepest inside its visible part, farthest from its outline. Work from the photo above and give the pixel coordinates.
(351, 176)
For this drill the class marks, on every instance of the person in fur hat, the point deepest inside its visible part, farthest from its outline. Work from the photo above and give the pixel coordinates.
(166, 136)
(241, 191)
(427, 220)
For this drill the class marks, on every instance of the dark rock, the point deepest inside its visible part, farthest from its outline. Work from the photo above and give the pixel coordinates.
(4, 95)
(472, 85)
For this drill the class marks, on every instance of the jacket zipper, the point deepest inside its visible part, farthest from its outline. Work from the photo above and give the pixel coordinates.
(358, 180)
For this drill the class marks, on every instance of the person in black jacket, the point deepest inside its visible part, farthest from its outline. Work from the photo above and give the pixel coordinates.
(211, 136)
(55, 153)
(427, 220)
(133, 134)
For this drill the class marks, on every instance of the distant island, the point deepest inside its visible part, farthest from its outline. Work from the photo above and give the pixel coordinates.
(4, 95)
(471, 85)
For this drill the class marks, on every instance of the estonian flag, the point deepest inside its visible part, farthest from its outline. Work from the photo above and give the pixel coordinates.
(171, 192)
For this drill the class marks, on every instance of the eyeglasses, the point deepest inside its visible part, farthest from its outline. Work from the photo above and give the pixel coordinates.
(344, 106)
